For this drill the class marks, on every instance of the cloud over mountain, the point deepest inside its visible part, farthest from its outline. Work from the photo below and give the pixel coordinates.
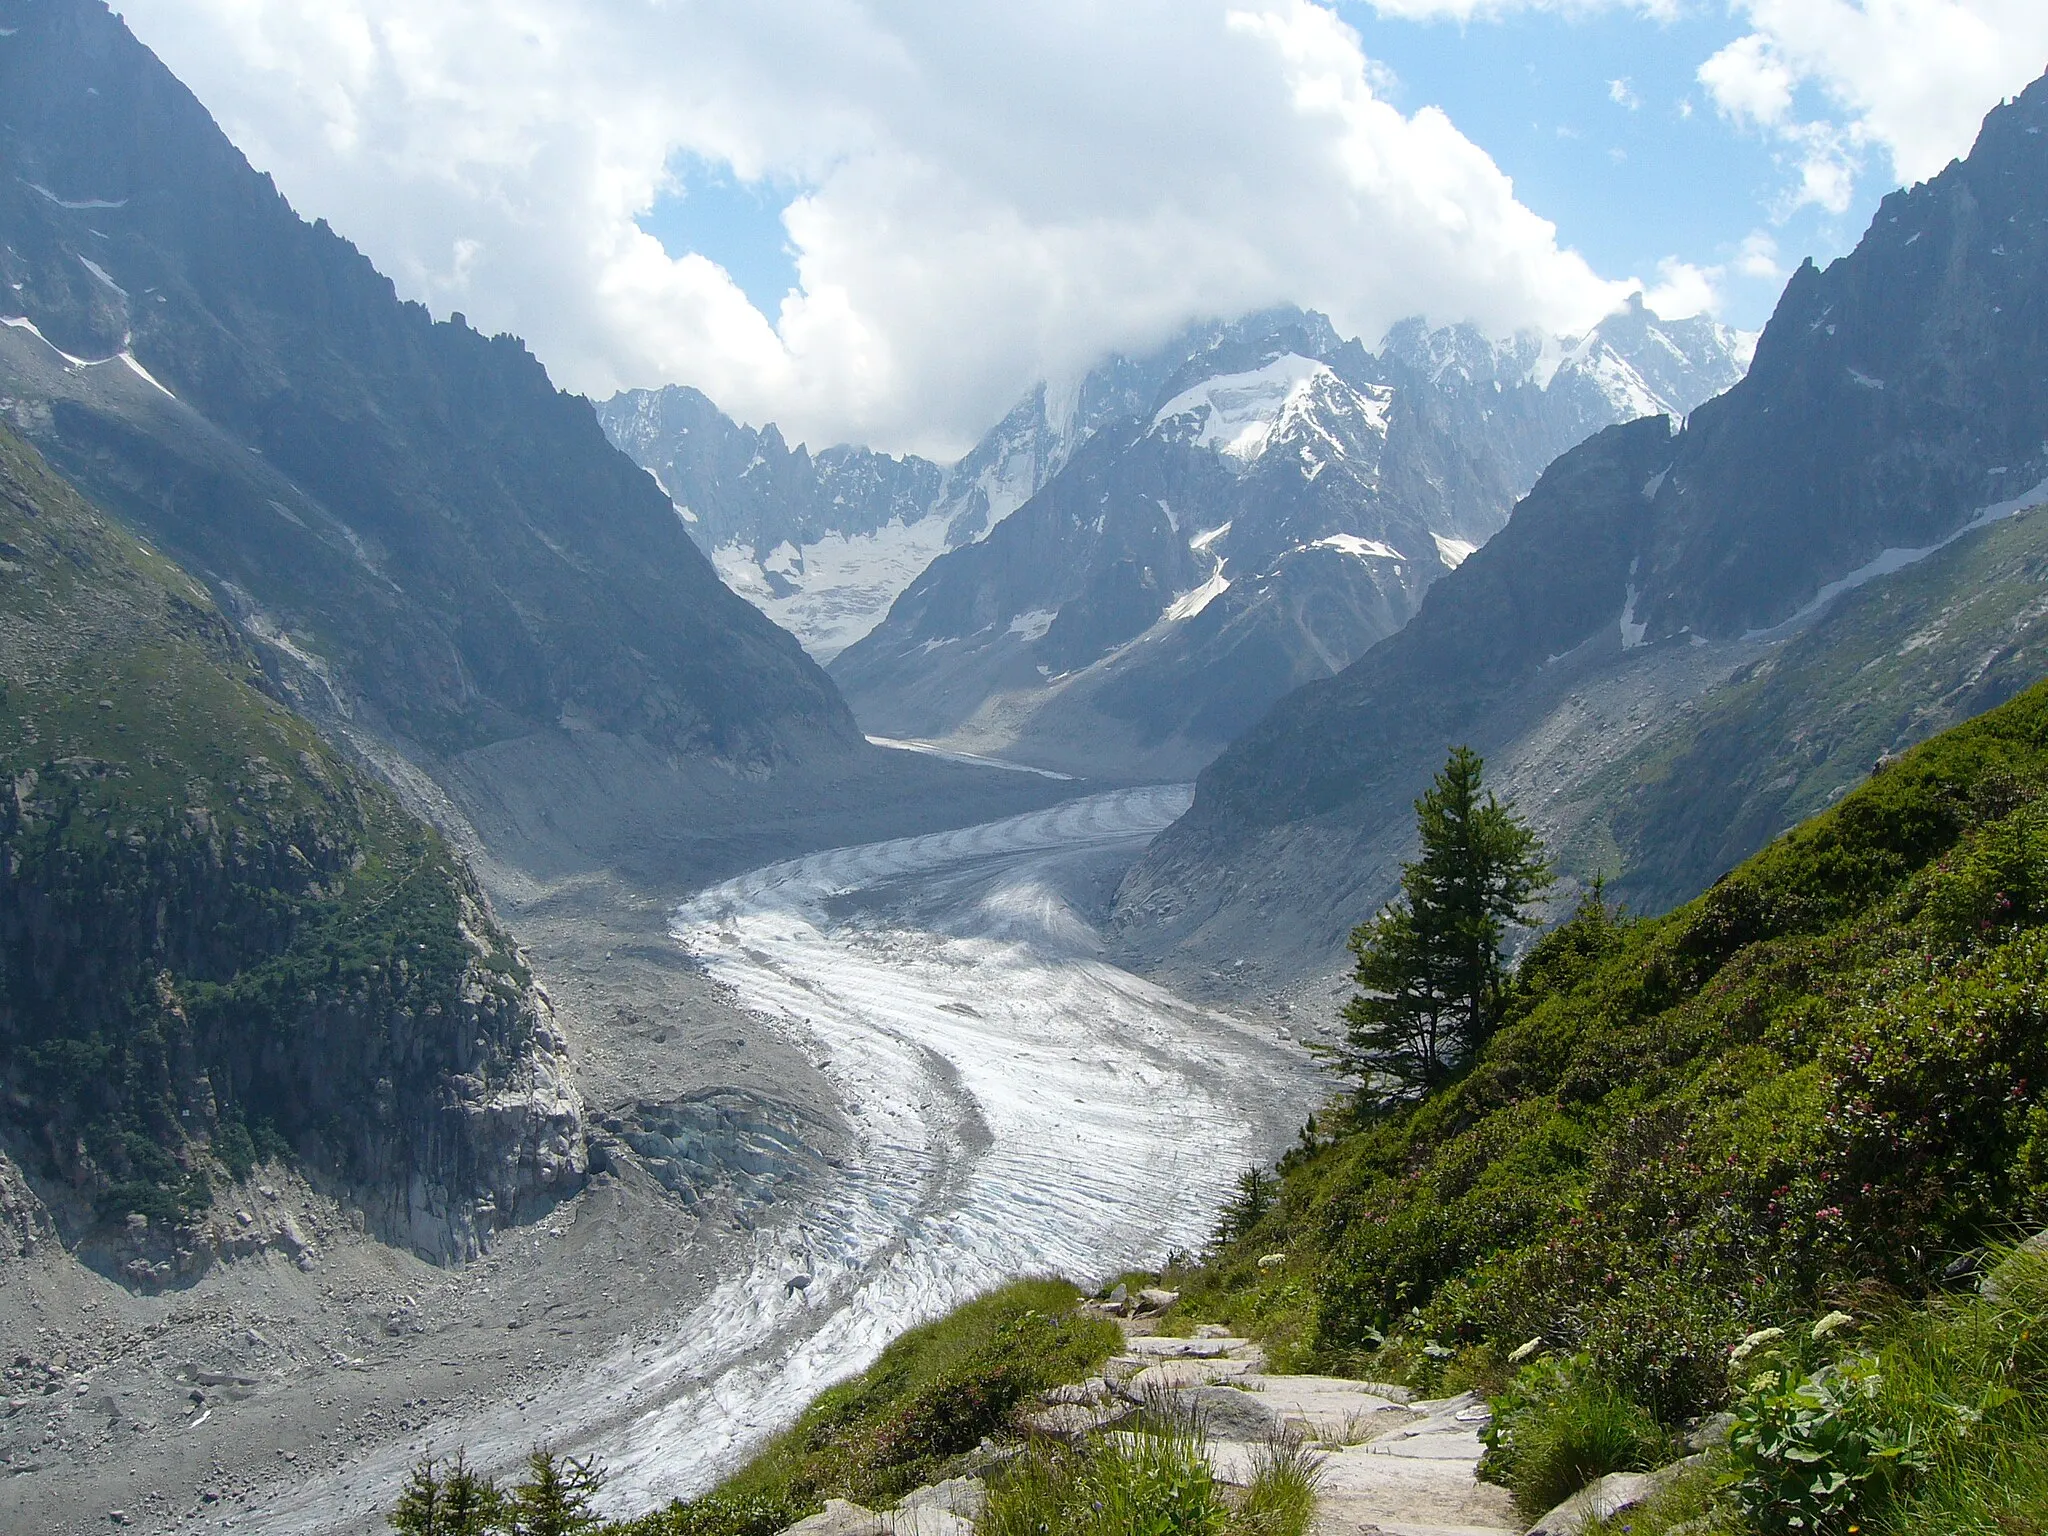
(976, 195)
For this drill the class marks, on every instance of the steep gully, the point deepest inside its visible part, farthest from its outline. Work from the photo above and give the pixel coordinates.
(1017, 1105)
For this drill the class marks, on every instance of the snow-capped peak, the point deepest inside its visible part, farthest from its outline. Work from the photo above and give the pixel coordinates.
(1241, 415)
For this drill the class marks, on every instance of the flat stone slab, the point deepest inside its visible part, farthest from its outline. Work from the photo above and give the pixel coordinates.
(1074, 1422)
(966, 1497)
(1330, 1408)
(1409, 1496)
(1184, 1349)
(840, 1517)
(1169, 1375)
(927, 1520)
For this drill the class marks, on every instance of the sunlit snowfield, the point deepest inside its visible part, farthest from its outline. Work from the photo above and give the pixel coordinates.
(1020, 1107)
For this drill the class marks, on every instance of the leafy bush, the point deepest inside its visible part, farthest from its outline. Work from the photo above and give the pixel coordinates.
(1808, 1449)
(1560, 1425)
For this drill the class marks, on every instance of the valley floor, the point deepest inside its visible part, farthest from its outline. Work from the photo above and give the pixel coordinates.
(894, 1075)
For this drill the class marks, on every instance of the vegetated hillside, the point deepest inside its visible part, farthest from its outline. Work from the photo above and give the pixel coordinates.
(1817, 1076)
(1281, 502)
(427, 538)
(219, 941)
(1892, 397)
(1886, 666)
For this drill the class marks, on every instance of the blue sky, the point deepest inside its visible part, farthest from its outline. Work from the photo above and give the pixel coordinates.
(1629, 182)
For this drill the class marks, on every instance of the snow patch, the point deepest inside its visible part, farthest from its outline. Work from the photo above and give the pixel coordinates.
(75, 204)
(142, 373)
(100, 272)
(1865, 379)
(832, 592)
(1453, 552)
(1632, 633)
(1188, 604)
(1033, 625)
(1208, 536)
(1359, 549)
(1237, 414)
(933, 749)
(1654, 484)
(23, 323)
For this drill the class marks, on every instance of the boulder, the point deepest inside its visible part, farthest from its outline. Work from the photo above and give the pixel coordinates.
(966, 1497)
(840, 1517)
(1229, 1414)
(1606, 1498)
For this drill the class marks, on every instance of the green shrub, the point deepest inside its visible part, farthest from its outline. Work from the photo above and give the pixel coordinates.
(1560, 1425)
(1280, 1499)
(1155, 1481)
(1808, 1450)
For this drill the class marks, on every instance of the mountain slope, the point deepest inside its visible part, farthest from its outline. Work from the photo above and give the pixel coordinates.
(1892, 397)
(1312, 492)
(217, 937)
(434, 543)
(824, 544)
(1886, 666)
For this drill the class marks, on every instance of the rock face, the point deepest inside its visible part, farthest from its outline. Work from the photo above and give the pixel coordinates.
(1892, 398)
(427, 539)
(825, 543)
(220, 942)
(1281, 502)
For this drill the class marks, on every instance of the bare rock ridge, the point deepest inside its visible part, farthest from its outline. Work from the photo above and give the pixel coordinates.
(1277, 505)
(1893, 399)
(218, 938)
(431, 543)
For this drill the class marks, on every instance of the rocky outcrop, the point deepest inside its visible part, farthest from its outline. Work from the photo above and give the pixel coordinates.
(221, 943)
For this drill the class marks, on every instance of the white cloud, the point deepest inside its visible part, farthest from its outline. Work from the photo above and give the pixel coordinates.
(1622, 94)
(1758, 257)
(1683, 290)
(992, 192)
(1912, 78)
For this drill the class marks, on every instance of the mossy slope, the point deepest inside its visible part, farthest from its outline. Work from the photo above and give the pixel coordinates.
(216, 937)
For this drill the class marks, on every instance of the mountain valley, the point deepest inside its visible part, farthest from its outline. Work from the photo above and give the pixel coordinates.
(531, 923)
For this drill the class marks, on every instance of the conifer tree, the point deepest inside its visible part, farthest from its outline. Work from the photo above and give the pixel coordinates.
(555, 1499)
(1430, 969)
(447, 1499)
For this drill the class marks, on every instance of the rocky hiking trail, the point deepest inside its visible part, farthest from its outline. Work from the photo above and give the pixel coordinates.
(1391, 1465)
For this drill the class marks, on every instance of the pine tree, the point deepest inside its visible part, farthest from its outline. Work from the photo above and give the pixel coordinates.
(447, 1499)
(1430, 971)
(555, 1499)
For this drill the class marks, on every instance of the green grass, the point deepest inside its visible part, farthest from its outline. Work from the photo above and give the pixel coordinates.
(1559, 1425)
(932, 1397)
(1152, 1481)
